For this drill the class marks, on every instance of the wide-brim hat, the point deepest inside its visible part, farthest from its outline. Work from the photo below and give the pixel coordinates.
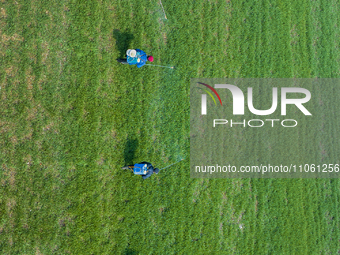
(131, 53)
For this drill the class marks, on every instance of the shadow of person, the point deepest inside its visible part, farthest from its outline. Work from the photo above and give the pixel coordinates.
(123, 40)
(128, 251)
(129, 151)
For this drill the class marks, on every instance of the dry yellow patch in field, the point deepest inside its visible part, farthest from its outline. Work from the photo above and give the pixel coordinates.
(256, 204)
(11, 71)
(6, 40)
(11, 203)
(224, 196)
(14, 140)
(31, 113)
(49, 126)
(28, 159)
(9, 177)
(12, 174)
(3, 13)
(45, 52)
(6, 126)
(29, 134)
(294, 35)
(37, 251)
(29, 78)
(165, 38)
(42, 80)
(10, 241)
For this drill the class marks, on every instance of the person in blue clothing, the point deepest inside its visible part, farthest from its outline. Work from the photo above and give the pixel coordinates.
(136, 57)
(145, 169)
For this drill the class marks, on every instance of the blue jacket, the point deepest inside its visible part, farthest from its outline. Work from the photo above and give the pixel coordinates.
(150, 170)
(141, 55)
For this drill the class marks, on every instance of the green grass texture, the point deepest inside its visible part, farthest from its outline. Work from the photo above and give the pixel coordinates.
(71, 116)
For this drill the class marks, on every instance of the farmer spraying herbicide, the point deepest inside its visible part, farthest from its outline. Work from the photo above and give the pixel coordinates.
(145, 169)
(136, 57)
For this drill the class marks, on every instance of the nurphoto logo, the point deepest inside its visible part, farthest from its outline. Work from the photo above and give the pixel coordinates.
(238, 100)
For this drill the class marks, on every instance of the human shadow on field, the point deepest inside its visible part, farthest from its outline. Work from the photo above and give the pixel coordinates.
(128, 251)
(129, 151)
(123, 40)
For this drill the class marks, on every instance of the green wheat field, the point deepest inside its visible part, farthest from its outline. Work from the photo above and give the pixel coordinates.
(71, 116)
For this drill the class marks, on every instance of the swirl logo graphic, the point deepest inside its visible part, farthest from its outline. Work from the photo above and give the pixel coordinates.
(204, 97)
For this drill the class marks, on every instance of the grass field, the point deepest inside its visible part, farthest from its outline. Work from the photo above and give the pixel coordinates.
(71, 116)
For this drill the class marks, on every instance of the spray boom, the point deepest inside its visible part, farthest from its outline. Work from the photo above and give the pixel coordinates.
(171, 164)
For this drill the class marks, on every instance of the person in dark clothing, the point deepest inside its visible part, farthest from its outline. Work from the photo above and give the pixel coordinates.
(150, 170)
(145, 169)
